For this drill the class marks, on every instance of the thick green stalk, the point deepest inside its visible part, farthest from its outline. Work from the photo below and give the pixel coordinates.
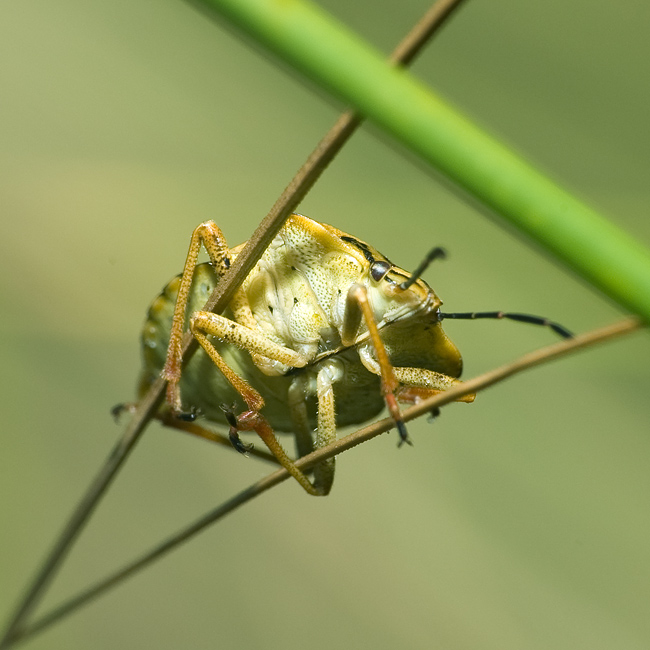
(344, 65)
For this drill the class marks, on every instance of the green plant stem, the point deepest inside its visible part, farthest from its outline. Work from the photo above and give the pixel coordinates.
(341, 63)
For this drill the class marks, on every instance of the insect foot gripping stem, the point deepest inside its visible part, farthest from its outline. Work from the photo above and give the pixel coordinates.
(255, 421)
(233, 434)
(396, 414)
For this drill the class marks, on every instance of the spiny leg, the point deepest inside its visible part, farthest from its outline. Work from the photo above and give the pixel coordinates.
(299, 391)
(210, 235)
(521, 318)
(297, 403)
(325, 433)
(254, 421)
(417, 384)
(357, 307)
(203, 324)
(417, 394)
(252, 398)
(243, 337)
(328, 374)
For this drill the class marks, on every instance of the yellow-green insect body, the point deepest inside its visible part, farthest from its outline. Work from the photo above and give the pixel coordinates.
(305, 332)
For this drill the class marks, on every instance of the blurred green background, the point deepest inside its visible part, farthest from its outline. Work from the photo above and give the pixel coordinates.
(521, 521)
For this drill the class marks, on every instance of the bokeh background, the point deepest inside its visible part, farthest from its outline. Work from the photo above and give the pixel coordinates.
(521, 521)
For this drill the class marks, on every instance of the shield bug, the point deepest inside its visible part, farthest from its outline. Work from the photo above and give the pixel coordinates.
(322, 333)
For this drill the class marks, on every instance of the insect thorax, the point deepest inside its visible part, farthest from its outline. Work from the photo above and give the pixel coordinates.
(296, 297)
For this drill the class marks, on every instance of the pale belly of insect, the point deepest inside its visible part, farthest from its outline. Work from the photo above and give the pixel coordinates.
(205, 390)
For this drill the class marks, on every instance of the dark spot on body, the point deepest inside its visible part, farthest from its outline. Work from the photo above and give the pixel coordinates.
(361, 246)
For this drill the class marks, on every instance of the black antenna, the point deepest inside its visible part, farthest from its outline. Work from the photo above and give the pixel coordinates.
(522, 318)
(434, 253)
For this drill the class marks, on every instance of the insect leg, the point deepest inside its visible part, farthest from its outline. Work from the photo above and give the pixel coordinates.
(254, 421)
(252, 398)
(203, 324)
(300, 389)
(357, 306)
(205, 433)
(326, 431)
(296, 401)
(522, 318)
(420, 383)
(210, 235)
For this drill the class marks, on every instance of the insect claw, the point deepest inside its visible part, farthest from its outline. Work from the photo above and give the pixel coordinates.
(238, 443)
(187, 416)
(403, 433)
(229, 412)
(118, 409)
(433, 414)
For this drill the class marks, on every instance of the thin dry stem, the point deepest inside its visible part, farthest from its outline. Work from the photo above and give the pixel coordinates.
(223, 293)
(365, 434)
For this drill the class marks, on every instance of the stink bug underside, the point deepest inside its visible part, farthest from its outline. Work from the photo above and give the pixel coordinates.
(322, 333)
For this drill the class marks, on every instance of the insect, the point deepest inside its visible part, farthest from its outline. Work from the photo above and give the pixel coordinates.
(322, 333)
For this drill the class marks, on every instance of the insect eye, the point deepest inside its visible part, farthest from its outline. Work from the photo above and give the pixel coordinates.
(378, 270)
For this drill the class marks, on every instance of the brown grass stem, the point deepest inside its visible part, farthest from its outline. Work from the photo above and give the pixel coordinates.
(475, 385)
(308, 174)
